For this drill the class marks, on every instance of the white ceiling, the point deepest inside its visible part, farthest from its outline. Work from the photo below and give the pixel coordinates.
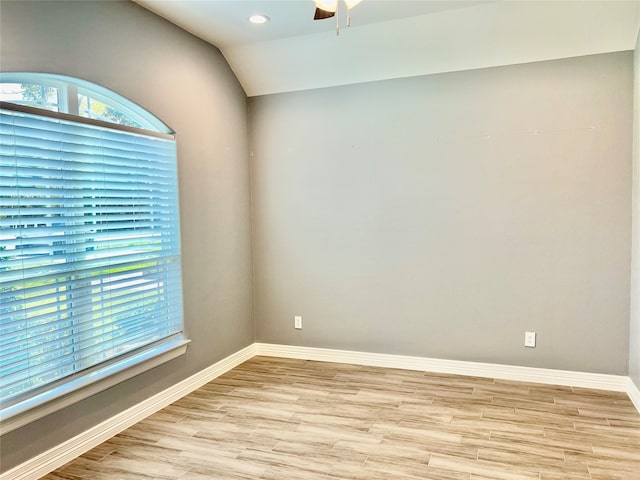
(397, 38)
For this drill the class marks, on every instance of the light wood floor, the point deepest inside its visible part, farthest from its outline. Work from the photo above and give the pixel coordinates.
(279, 419)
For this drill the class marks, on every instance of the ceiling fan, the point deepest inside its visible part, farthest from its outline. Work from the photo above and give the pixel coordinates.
(329, 8)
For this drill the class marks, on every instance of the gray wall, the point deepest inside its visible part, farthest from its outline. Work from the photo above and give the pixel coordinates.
(188, 84)
(634, 331)
(442, 216)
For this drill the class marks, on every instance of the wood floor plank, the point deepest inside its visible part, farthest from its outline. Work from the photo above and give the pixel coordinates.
(288, 419)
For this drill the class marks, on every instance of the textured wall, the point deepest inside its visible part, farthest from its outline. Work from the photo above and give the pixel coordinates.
(188, 84)
(442, 216)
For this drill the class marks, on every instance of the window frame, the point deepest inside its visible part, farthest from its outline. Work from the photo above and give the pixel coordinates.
(65, 392)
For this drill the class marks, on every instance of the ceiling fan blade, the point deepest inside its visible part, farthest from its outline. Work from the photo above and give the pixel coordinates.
(321, 14)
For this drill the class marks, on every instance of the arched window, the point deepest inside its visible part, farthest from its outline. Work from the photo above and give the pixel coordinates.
(59, 93)
(90, 281)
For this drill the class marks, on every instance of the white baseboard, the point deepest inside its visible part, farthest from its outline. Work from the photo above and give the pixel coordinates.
(76, 446)
(634, 394)
(616, 383)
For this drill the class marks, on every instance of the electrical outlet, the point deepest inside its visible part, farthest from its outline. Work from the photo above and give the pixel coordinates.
(530, 339)
(297, 322)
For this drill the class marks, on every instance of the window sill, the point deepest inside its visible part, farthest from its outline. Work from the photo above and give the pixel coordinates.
(38, 406)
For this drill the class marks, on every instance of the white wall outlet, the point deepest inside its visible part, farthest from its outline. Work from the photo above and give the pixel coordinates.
(297, 322)
(530, 339)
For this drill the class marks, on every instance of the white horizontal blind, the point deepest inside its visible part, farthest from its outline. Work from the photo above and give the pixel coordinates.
(89, 248)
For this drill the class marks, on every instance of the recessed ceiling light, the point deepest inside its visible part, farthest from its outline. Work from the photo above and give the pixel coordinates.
(258, 19)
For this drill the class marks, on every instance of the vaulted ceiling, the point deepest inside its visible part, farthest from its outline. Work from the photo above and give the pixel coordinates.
(396, 38)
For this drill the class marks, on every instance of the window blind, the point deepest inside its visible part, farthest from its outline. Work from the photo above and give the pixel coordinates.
(89, 248)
